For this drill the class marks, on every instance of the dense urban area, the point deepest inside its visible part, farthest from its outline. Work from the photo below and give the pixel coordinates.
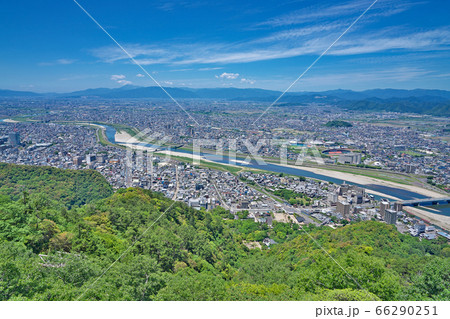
(150, 145)
(63, 134)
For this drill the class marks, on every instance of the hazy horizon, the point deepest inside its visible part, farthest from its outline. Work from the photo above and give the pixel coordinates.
(213, 88)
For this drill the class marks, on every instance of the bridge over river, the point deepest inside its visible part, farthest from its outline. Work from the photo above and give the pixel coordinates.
(426, 201)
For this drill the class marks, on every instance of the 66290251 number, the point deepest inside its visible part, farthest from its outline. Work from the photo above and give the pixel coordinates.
(406, 310)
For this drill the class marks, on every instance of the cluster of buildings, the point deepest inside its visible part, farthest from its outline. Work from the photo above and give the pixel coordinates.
(60, 146)
(198, 187)
(9, 141)
(398, 148)
(291, 131)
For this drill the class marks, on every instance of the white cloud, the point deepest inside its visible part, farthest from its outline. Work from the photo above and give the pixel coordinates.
(422, 41)
(311, 40)
(139, 75)
(116, 77)
(304, 32)
(58, 62)
(340, 11)
(112, 54)
(228, 76)
(297, 33)
(419, 41)
(243, 80)
(124, 82)
(168, 82)
(353, 79)
(210, 69)
(120, 79)
(65, 61)
(181, 70)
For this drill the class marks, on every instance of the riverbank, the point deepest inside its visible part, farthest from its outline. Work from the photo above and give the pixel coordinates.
(123, 137)
(364, 180)
(101, 134)
(435, 219)
(352, 178)
(193, 157)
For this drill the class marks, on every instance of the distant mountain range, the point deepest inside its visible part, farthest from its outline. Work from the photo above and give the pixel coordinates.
(435, 102)
(10, 93)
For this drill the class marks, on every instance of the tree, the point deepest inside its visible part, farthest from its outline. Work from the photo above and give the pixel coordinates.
(190, 285)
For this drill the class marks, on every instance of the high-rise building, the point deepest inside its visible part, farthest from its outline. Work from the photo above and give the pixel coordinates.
(14, 139)
(333, 198)
(410, 169)
(398, 207)
(77, 160)
(383, 206)
(350, 158)
(390, 216)
(101, 159)
(343, 189)
(359, 198)
(90, 159)
(343, 208)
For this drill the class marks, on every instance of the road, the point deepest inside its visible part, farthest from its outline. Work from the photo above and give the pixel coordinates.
(222, 202)
(290, 210)
(178, 183)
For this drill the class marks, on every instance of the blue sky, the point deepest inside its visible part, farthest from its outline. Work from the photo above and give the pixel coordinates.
(52, 45)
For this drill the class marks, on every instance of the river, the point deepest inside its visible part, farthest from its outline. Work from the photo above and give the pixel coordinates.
(392, 191)
(110, 133)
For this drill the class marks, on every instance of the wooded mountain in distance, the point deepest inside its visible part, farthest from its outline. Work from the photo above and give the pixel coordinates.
(422, 101)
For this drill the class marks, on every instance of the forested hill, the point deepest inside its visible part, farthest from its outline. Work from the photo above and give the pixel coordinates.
(421, 101)
(186, 254)
(68, 187)
(404, 105)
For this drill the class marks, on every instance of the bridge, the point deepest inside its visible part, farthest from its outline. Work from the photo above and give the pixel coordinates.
(426, 201)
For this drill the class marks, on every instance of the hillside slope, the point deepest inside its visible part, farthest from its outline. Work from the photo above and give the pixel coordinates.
(69, 187)
(184, 254)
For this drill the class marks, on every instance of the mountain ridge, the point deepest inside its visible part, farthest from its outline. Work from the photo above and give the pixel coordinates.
(130, 91)
(422, 101)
